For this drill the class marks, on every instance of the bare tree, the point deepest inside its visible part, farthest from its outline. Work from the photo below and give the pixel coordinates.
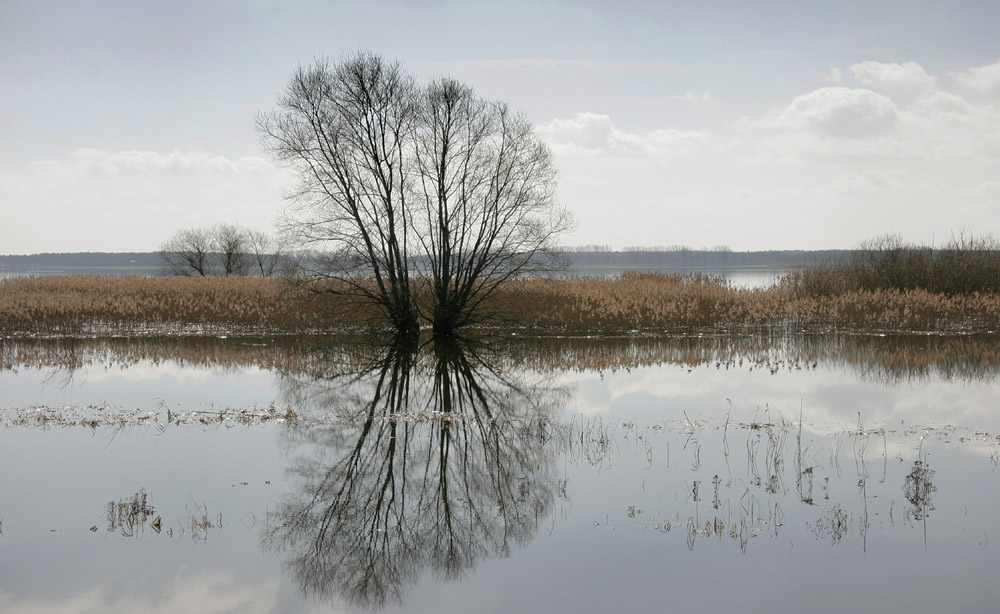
(229, 241)
(345, 130)
(226, 249)
(188, 253)
(265, 252)
(486, 188)
(412, 187)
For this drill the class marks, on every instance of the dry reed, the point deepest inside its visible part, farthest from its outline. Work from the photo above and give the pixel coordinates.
(628, 304)
(130, 305)
(964, 266)
(648, 302)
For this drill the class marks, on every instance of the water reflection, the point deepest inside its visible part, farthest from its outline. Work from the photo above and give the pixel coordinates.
(439, 458)
(878, 358)
(619, 459)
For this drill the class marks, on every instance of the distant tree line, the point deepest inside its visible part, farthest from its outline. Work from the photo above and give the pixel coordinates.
(223, 249)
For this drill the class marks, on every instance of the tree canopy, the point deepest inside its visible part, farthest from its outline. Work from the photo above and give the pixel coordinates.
(425, 197)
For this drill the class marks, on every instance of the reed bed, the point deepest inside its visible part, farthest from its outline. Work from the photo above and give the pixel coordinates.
(649, 302)
(964, 266)
(636, 301)
(129, 305)
(632, 303)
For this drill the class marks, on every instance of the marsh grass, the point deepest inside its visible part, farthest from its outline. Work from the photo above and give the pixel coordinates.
(778, 477)
(965, 266)
(132, 305)
(634, 301)
(130, 515)
(647, 303)
(658, 303)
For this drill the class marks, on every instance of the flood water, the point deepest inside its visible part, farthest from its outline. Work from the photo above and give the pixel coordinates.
(695, 473)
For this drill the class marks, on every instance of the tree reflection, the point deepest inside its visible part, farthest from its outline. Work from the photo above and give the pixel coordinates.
(440, 458)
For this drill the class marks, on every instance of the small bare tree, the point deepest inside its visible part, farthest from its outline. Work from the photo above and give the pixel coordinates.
(188, 253)
(229, 241)
(265, 252)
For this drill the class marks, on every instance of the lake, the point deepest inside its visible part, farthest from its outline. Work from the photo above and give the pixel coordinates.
(698, 472)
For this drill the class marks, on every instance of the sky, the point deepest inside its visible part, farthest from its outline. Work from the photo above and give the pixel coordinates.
(753, 125)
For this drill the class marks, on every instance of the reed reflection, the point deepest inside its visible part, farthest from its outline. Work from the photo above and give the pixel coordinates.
(440, 457)
(889, 360)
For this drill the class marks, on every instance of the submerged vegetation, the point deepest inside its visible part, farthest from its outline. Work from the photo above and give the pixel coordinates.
(632, 303)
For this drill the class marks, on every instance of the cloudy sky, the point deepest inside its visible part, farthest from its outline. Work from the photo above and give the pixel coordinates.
(757, 125)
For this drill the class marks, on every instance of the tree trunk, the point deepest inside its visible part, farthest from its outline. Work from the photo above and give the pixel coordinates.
(445, 321)
(407, 325)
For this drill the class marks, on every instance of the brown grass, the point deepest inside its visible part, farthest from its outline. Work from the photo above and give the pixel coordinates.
(648, 302)
(89, 304)
(634, 302)
(966, 265)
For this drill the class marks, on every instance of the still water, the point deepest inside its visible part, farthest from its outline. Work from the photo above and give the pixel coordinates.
(694, 473)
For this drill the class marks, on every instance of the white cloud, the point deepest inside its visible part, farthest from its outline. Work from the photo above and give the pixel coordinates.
(904, 160)
(176, 161)
(594, 134)
(942, 102)
(521, 64)
(829, 168)
(986, 189)
(139, 198)
(589, 132)
(869, 180)
(906, 76)
(983, 79)
(838, 112)
(692, 97)
(211, 591)
(682, 142)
